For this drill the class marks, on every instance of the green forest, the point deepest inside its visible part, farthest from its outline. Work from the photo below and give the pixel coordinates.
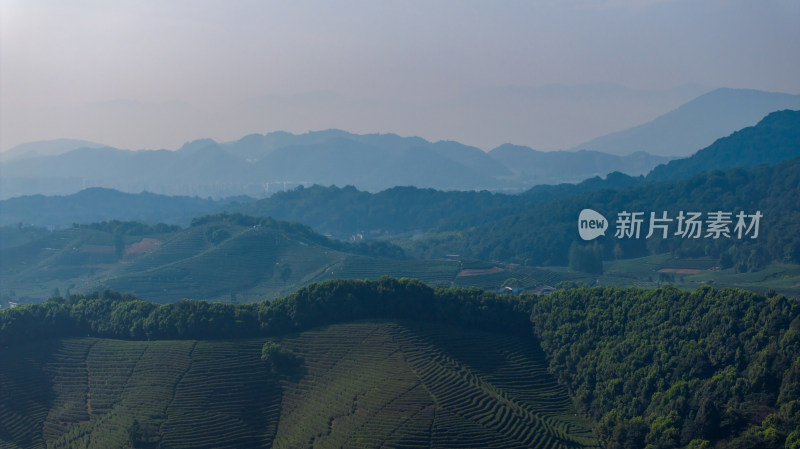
(666, 368)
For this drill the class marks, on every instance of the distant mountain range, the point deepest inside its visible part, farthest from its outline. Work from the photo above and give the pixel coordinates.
(343, 212)
(696, 124)
(258, 165)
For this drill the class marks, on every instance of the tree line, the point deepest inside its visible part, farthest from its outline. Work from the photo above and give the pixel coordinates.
(114, 315)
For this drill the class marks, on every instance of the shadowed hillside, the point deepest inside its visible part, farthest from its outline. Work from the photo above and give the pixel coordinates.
(375, 384)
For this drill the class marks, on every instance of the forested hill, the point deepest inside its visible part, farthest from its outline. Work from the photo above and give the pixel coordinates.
(542, 235)
(345, 211)
(657, 368)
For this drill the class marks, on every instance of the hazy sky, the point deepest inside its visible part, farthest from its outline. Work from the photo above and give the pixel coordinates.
(157, 73)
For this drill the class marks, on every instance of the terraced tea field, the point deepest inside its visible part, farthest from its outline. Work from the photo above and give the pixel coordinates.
(245, 263)
(254, 264)
(371, 384)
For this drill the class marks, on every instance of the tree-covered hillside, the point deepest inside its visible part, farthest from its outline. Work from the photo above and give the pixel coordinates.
(347, 211)
(667, 368)
(544, 234)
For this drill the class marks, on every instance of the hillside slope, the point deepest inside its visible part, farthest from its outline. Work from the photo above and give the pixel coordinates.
(218, 257)
(376, 384)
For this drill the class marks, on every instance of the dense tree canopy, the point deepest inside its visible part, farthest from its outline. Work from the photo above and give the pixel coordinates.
(666, 368)
(343, 211)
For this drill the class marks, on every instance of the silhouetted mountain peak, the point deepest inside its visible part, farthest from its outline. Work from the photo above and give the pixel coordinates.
(198, 144)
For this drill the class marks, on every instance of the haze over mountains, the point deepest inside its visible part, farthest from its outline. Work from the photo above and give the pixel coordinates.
(399, 225)
(696, 124)
(46, 148)
(546, 117)
(258, 165)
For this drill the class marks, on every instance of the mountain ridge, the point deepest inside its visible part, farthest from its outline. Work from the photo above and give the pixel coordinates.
(46, 148)
(371, 162)
(773, 139)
